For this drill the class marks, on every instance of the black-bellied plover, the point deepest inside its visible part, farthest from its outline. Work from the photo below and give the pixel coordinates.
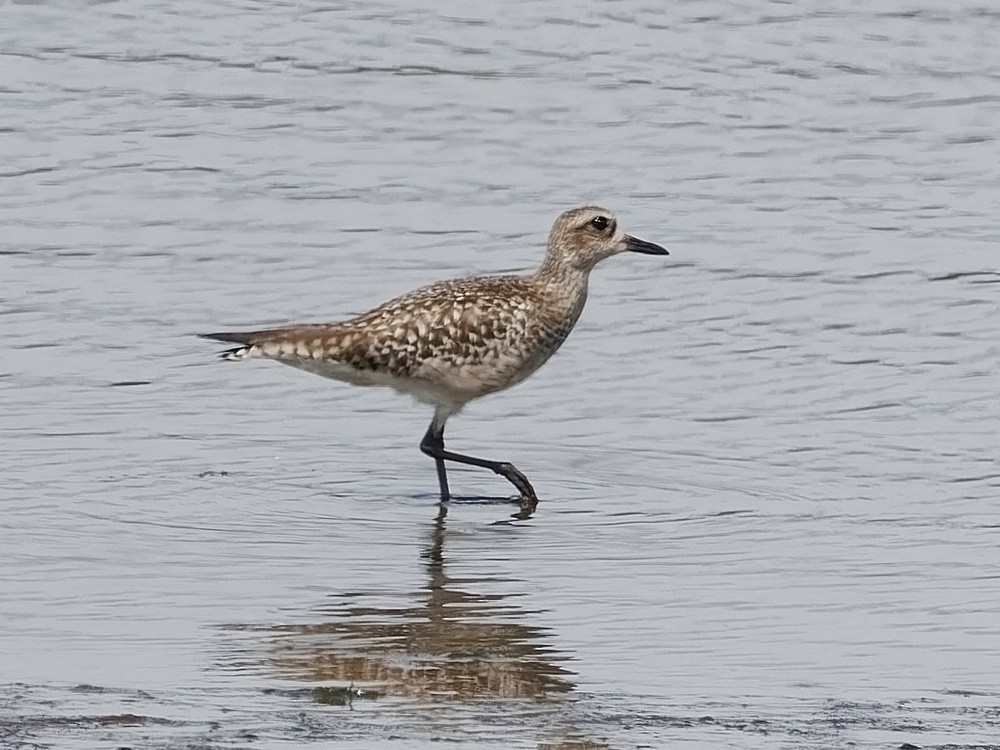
(454, 341)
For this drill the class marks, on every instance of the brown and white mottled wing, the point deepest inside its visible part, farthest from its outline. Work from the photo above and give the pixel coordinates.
(446, 343)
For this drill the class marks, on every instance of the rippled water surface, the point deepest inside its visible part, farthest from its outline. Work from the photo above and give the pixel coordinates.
(768, 464)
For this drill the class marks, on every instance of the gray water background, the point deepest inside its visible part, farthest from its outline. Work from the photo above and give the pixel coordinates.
(768, 464)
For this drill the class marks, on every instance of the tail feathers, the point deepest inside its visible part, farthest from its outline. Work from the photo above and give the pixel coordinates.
(240, 352)
(235, 355)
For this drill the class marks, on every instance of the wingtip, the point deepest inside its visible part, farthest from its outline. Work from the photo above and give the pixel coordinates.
(237, 353)
(230, 337)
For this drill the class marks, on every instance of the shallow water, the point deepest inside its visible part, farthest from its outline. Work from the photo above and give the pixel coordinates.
(768, 464)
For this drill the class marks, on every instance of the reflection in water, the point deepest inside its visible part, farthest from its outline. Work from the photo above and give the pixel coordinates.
(452, 645)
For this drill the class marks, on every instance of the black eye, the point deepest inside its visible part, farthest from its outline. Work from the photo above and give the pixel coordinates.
(600, 223)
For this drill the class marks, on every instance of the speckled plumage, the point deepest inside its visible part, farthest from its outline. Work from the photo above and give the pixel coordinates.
(445, 344)
(454, 341)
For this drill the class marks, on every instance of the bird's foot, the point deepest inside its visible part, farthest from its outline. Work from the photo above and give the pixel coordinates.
(528, 500)
(526, 508)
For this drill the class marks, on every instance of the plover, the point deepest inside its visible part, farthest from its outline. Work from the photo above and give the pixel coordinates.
(454, 341)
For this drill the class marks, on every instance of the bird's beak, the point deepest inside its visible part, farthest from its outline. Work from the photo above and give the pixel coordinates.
(635, 245)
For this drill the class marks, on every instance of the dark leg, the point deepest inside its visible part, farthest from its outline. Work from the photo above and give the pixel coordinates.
(433, 446)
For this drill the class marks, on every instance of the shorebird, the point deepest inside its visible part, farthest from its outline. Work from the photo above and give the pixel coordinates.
(454, 341)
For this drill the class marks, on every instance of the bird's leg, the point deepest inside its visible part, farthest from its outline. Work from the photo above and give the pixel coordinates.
(433, 446)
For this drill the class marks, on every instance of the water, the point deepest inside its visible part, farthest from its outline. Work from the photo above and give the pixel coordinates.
(767, 464)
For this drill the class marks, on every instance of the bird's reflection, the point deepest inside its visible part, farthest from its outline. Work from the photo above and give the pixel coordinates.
(452, 644)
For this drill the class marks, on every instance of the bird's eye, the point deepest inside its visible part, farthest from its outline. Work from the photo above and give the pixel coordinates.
(600, 223)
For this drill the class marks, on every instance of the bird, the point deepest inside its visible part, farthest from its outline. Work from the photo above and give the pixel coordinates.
(454, 341)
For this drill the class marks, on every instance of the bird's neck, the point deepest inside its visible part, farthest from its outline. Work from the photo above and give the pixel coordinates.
(565, 286)
(559, 270)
